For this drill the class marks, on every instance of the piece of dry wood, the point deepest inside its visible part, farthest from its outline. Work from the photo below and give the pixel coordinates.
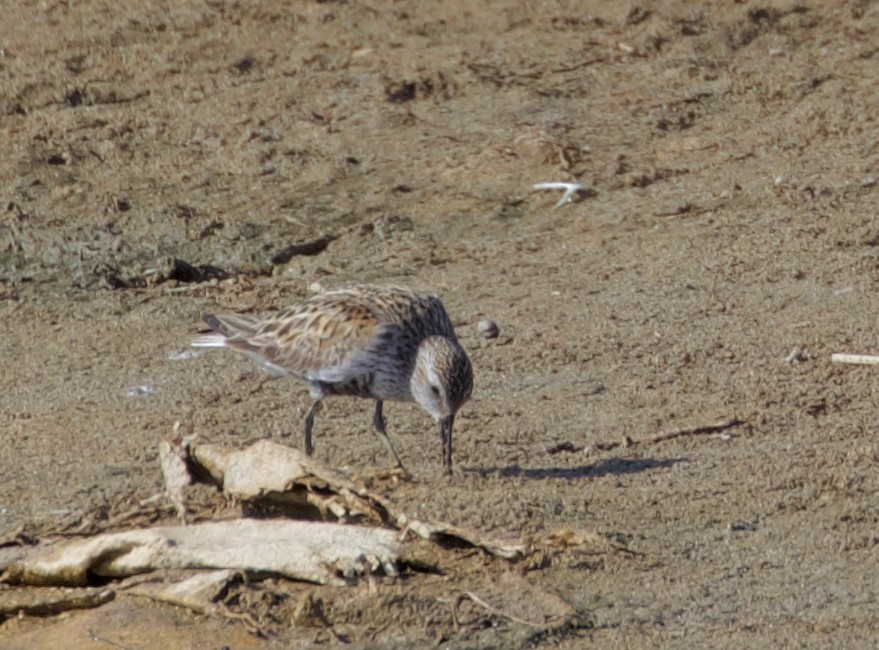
(172, 459)
(273, 473)
(52, 601)
(857, 359)
(701, 430)
(197, 592)
(302, 550)
(691, 431)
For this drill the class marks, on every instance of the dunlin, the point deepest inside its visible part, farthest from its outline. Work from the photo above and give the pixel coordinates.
(379, 342)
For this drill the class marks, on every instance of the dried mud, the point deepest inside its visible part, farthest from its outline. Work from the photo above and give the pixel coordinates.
(163, 161)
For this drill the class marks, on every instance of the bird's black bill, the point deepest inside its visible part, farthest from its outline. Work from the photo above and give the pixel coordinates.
(446, 433)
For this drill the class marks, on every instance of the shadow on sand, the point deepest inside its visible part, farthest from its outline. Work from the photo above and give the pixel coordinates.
(614, 466)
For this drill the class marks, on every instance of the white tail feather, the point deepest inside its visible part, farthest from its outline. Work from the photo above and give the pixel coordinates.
(209, 341)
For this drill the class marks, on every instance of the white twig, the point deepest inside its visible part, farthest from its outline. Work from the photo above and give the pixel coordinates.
(859, 359)
(569, 188)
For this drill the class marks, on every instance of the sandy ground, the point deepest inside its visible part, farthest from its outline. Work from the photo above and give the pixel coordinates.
(726, 246)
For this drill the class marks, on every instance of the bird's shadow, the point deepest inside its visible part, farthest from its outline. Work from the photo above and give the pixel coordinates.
(616, 466)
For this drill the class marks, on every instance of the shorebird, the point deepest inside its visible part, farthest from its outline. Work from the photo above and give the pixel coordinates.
(373, 341)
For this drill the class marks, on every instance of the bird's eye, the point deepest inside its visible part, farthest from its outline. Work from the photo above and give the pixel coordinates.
(435, 390)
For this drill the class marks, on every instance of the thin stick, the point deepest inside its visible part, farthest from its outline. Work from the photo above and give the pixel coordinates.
(660, 437)
(577, 66)
(494, 610)
(692, 431)
(858, 359)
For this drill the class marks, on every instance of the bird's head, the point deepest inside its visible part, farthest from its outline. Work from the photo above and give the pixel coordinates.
(441, 383)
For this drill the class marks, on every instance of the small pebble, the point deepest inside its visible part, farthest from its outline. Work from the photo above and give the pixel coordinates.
(797, 354)
(740, 526)
(183, 355)
(488, 328)
(137, 391)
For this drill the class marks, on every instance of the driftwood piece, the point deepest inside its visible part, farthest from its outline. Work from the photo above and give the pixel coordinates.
(316, 552)
(856, 359)
(50, 601)
(197, 592)
(279, 474)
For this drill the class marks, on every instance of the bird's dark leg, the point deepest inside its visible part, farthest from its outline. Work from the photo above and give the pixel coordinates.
(309, 423)
(378, 422)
